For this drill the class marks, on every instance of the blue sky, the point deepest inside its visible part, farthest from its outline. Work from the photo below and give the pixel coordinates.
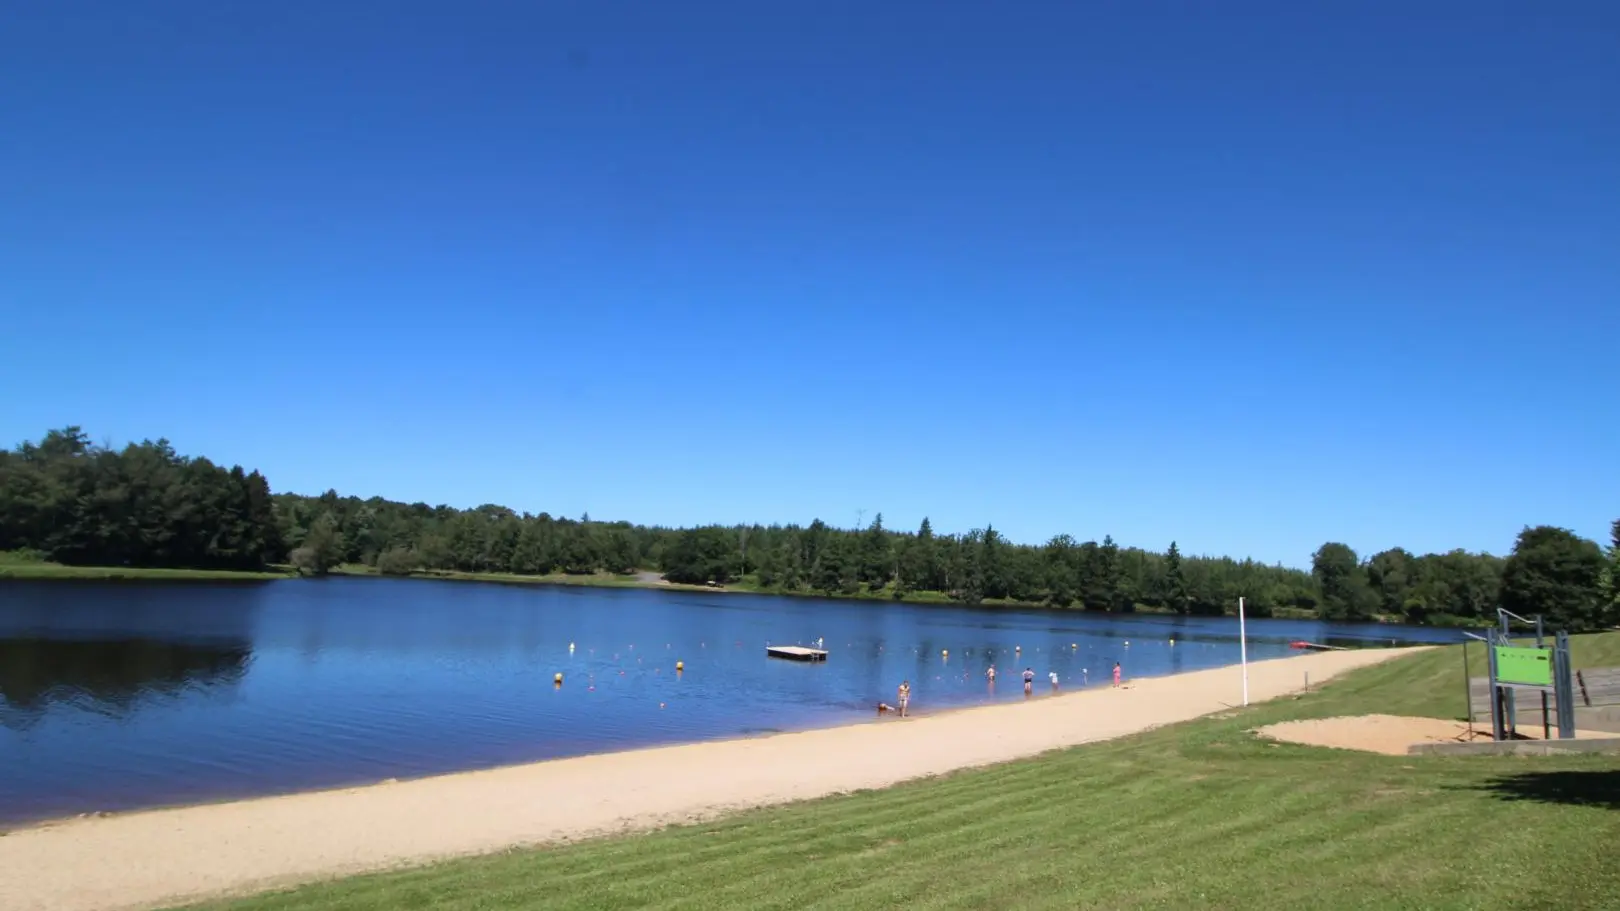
(1247, 275)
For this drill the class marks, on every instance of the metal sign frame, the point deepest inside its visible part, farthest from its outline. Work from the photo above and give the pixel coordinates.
(1503, 692)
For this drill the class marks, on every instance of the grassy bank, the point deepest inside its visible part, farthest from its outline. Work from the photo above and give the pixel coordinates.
(589, 580)
(750, 585)
(1199, 815)
(11, 568)
(22, 567)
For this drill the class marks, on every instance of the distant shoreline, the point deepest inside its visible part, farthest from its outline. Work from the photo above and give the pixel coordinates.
(34, 572)
(644, 579)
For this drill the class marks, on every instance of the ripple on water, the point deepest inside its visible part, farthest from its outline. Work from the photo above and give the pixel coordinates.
(208, 692)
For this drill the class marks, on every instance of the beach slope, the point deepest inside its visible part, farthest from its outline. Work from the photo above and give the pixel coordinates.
(163, 857)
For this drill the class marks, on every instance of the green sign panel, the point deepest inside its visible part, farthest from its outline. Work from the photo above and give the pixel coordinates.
(1523, 664)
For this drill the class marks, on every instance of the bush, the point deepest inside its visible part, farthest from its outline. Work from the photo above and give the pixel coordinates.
(21, 556)
(397, 561)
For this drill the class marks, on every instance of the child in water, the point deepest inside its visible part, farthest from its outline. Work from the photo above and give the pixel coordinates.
(1116, 673)
(903, 696)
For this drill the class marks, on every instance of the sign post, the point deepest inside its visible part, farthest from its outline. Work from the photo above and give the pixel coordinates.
(1544, 668)
(1564, 687)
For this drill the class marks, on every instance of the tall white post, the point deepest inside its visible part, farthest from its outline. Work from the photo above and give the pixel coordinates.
(1243, 650)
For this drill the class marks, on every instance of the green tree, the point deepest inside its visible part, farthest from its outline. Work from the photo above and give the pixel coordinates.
(835, 570)
(322, 548)
(1174, 592)
(620, 554)
(877, 554)
(920, 567)
(792, 567)
(1611, 577)
(1343, 583)
(66, 499)
(1454, 586)
(396, 561)
(1557, 574)
(1389, 574)
(699, 556)
(768, 571)
(1060, 560)
(1102, 583)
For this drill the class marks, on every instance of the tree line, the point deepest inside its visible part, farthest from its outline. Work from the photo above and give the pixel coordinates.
(77, 503)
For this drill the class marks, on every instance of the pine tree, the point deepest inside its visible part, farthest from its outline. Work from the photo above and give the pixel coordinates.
(1175, 584)
(877, 555)
(920, 565)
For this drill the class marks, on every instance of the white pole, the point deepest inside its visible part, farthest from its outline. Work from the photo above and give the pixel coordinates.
(1243, 650)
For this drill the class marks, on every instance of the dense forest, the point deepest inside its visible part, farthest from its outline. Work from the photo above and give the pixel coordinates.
(66, 500)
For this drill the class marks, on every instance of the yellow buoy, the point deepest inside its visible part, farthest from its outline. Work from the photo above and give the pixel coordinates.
(680, 665)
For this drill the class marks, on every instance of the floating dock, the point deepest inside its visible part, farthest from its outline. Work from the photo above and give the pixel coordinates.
(796, 652)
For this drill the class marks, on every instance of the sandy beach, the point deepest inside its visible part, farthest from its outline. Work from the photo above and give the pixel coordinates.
(165, 857)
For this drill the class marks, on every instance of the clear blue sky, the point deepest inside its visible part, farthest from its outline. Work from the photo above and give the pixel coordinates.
(1247, 275)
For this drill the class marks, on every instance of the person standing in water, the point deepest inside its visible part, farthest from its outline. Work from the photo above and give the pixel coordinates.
(1116, 673)
(1029, 681)
(990, 674)
(903, 696)
(1053, 676)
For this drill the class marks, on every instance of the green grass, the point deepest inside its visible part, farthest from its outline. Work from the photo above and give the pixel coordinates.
(1198, 815)
(592, 580)
(15, 565)
(18, 566)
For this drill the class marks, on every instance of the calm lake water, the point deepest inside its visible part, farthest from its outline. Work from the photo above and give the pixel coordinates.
(118, 696)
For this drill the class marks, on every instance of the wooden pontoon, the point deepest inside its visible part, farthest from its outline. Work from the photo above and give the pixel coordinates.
(796, 652)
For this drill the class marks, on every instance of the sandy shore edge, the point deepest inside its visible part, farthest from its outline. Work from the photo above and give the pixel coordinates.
(164, 857)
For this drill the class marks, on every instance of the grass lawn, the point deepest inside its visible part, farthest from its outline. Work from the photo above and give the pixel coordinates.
(36, 569)
(592, 580)
(1198, 815)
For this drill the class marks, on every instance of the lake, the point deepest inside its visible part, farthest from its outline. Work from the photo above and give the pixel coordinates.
(115, 696)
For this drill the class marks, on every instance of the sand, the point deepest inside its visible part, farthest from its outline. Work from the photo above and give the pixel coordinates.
(164, 857)
(1387, 734)
(1390, 734)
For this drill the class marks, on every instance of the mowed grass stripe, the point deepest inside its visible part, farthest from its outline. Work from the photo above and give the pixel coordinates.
(1202, 815)
(822, 827)
(769, 838)
(842, 847)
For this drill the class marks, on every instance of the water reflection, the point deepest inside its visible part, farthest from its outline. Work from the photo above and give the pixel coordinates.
(112, 677)
(115, 696)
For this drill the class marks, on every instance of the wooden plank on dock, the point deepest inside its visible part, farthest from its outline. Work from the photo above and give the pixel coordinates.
(796, 652)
